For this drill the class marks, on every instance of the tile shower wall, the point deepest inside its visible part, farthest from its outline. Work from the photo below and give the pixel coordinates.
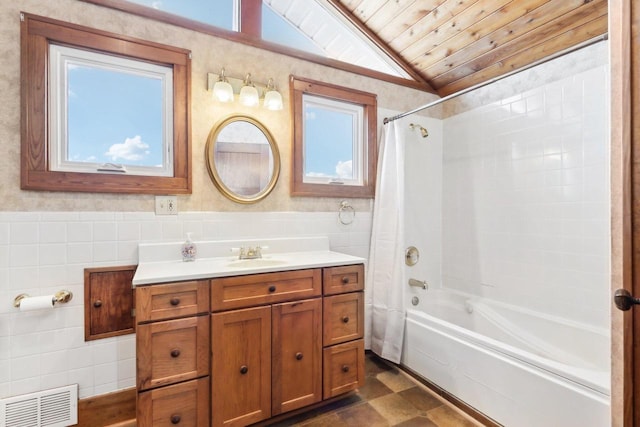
(43, 252)
(526, 199)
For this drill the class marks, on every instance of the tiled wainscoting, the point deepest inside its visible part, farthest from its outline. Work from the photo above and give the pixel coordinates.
(43, 252)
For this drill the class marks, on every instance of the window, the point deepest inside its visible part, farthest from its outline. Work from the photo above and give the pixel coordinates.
(219, 13)
(136, 97)
(117, 116)
(313, 30)
(334, 147)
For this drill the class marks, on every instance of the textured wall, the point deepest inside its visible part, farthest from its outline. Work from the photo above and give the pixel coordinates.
(209, 55)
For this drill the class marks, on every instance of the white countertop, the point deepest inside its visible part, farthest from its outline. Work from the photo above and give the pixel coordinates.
(161, 262)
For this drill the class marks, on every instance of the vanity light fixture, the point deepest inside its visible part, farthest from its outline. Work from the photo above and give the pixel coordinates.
(222, 89)
(272, 98)
(250, 93)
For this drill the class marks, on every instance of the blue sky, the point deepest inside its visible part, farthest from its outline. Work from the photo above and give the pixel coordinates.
(118, 120)
(218, 13)
(327, 147)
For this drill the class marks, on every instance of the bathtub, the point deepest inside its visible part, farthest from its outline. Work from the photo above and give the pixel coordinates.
(518, 367)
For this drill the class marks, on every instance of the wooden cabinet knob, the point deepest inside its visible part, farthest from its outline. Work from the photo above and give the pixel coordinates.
(299, 356)
(175, 419)
(97, 304)
(175, 352)
(272, 288)
(345, 280)
(345, 319)
(174, 301)
(345, 368)
(244, 369)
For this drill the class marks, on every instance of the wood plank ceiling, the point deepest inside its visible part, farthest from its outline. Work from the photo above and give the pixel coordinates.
(455, 44)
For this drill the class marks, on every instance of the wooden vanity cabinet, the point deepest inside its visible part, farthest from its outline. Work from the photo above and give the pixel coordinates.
(172, 349)
(238, 350)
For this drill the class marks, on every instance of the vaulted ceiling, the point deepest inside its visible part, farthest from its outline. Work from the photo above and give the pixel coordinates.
(454, 44)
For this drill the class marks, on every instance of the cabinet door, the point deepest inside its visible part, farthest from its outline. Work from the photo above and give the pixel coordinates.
(296, 354)
(108, 302)
(241, 366)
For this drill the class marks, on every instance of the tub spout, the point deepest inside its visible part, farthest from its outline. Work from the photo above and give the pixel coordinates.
(418, 283)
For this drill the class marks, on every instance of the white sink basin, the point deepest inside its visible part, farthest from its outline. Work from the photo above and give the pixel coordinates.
(256, 263)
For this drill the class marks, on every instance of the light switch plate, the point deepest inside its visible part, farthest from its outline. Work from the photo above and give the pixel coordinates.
(166, 205)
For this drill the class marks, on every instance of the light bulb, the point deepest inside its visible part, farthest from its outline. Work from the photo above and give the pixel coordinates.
(273, 100)
(249, 96)
(223, 91)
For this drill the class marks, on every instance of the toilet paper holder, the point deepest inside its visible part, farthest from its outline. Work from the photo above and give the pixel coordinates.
(63, 296)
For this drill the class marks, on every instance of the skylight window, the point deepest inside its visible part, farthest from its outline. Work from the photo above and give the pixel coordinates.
(330, 34)
(219, 13)
(277, 29)
(311, 26)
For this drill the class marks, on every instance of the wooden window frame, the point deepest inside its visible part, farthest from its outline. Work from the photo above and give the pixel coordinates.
(299, 87)
(37, 33)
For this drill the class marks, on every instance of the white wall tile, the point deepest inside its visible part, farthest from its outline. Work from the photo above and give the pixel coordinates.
(538, 218)
(79, 232)
(45, 256)
(23, 233)
(52, 232)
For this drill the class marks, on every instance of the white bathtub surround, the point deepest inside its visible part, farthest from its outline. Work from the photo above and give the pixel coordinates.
(526, 198)
(519, 367)
(43, 252)
(518, 327)
(385, 272)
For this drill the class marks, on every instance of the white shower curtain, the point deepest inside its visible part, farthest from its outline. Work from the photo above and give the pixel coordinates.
(385, 268)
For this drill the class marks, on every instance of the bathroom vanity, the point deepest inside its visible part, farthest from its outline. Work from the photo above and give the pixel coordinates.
(229, 342)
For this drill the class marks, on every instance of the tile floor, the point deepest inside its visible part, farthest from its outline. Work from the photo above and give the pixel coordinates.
(388, 398)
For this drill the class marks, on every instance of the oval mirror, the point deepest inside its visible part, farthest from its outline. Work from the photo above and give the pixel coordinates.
(243, 159)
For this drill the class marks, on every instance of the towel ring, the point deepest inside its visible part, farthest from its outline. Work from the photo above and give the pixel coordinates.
(346, 213)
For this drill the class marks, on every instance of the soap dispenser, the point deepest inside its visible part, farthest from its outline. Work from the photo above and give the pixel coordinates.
(188, 249)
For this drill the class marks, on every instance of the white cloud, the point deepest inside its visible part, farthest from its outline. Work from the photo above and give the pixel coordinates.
(318, 175)
(131, 149)
(156, 4)
(345, 169)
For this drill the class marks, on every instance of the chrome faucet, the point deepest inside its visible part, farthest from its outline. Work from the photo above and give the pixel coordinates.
(250, 253)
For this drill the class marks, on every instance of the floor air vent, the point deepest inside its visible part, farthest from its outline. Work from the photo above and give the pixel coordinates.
(57, 407)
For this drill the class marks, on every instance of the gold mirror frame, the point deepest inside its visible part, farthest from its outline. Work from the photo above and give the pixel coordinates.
(210, 151)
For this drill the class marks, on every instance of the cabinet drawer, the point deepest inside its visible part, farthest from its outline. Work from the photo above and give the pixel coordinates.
(267, 288)
(338, 280)
(172, 351)
(343, 368)
(185, 404)
(159, 302)
(343, 318)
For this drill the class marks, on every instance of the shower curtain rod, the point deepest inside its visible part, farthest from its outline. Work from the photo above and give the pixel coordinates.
(495, 79)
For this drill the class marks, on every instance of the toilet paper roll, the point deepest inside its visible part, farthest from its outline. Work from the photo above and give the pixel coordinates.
(36, 303)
